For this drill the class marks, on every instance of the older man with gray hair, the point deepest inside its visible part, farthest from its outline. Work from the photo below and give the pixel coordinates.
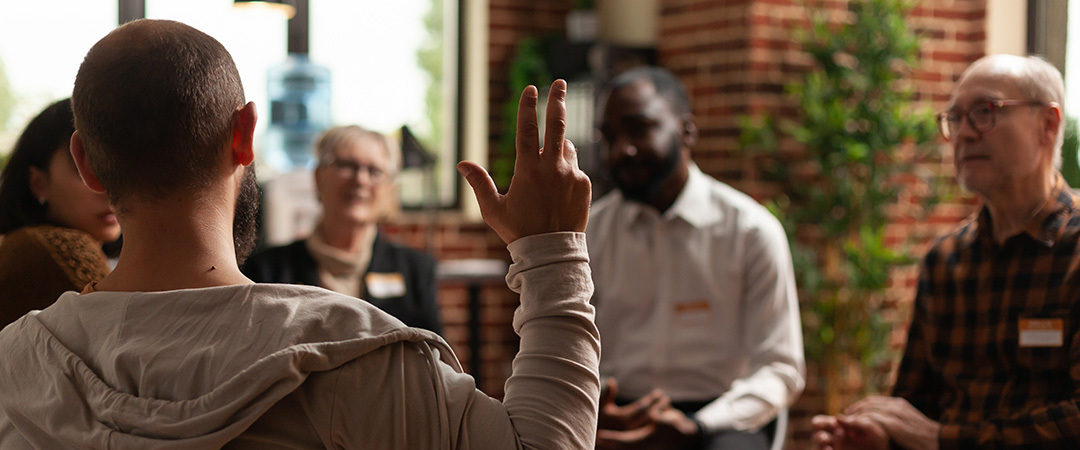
(993, 356)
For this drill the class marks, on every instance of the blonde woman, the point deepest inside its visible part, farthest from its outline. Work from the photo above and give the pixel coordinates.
(346, 253)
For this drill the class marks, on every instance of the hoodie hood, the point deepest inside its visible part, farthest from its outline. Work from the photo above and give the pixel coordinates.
(180, 369)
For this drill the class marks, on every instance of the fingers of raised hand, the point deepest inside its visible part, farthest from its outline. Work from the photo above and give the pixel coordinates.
(487, 197)
(528, 132)
(570, 153)
(482, 184)
(555, 123)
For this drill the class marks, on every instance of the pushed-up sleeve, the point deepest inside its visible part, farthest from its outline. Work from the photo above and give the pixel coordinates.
(552, 395)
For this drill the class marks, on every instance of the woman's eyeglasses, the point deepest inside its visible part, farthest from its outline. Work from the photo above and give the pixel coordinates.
(346, 168)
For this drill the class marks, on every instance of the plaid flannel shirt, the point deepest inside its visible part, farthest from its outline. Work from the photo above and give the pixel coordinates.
(964, 365)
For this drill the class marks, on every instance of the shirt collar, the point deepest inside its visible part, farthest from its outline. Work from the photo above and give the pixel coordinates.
(692, 204)
(1048, 223)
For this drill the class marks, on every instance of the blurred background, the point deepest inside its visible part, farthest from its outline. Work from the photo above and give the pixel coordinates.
(442, 78)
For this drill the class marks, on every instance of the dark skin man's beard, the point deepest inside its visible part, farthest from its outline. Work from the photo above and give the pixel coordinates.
(246, 215)
(645, 192)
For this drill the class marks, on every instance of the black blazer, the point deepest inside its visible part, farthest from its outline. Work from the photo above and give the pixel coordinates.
(417, 307)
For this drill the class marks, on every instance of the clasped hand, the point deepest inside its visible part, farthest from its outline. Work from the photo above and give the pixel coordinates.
(647, 423)
(872, 422)
(548, 192)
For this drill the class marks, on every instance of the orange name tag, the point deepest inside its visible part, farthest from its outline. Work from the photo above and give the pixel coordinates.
(1042, 332)
(698, 306)
(693, 313)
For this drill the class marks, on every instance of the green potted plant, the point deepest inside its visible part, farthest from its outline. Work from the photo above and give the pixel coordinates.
(857, 134)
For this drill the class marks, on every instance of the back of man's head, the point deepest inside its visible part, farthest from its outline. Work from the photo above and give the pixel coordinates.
(154, 103)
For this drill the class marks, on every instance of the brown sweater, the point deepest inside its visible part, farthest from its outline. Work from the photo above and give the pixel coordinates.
(39, 263)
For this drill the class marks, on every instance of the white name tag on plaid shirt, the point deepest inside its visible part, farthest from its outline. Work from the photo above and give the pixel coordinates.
(1042, 332)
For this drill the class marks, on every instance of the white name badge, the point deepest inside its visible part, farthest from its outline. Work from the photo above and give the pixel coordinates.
(383, 285)
(1042, 332)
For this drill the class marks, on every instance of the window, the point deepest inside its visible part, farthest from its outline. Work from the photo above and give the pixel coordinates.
(390, 63)
(42, 44)
(255, 38)
(394, 64)
(1072, 59)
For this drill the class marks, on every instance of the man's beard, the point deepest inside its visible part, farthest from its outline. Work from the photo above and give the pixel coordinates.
(645, 192)
(246, 215)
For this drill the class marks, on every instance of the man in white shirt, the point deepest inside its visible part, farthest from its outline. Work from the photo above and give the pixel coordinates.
(176, 349)
(695, 293)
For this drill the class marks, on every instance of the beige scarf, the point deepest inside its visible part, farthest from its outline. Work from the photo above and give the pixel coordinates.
(339, 270)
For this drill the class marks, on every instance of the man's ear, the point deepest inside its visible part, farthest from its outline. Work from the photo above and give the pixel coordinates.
(1052, 123)
(78, 153)
(689, 131)
(243, 134)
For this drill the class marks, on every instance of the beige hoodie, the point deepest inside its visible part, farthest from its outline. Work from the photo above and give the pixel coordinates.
(278, 366)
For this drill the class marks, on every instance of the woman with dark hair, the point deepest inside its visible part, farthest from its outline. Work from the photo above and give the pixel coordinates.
(53, 225)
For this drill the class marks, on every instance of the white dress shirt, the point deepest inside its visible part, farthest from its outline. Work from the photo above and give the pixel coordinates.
(699, 301)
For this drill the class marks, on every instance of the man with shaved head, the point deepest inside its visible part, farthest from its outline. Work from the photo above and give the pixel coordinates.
(993, 352)
(177, 349)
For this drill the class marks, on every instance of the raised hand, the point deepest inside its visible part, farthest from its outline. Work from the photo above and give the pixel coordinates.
(548, 191)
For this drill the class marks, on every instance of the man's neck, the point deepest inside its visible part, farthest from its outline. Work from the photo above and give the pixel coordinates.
(182, 246)
(1012, 209)
(665, 198)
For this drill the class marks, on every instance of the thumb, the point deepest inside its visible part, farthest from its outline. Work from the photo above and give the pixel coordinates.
(482, 184)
